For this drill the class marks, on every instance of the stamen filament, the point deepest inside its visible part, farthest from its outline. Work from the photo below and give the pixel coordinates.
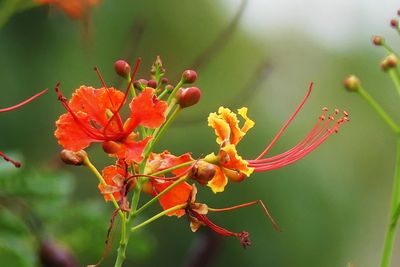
(6, 158)
(23, 102)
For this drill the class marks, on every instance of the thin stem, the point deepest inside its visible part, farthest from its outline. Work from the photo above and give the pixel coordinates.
(394, 74)
(173, 93)
(160, 131)
(389, 49)
(382, 113)
(394, 214)
(151, 201)
(91, 167)
(155, 217)
(173, 168)
(121, 256)
(23, 102)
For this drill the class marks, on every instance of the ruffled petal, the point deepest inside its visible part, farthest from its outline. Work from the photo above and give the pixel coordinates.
(114, 178)
(248, 123)
(235, 162)
(227, 115)
(132, 151)
(220, 126)
(180, 194)
(70, 134)
(218, 182)
(147, 110)
(166, 160)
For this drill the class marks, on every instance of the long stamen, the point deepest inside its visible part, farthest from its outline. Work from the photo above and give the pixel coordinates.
(23, 102)
(126, 91)
(264, 207)
(315, 138)
(242, 236)
(278, 135)
(6, 158)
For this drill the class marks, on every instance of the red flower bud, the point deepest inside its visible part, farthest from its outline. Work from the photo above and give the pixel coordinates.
(152, 84)
(111, 147)
(394, 23)
(164, 80)
(122, 68)
(377, 40)
(140, 84)
(189, 76)
(389, 62)
(73, 158)
(189, 96)
(203, 172)
(169, 88)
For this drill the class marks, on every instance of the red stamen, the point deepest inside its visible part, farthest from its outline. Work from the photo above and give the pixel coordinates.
(264, 207)
(23, 102)
(242, 236)
(6, 158)
(278, 135)
(315, 138)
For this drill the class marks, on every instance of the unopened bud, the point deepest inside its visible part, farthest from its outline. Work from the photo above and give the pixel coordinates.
(53, 255)
(189, 76)
(378, 40)
(122, 68)
(189, 96)
(164, 80)
(152, 84)
(394, 23)
(73, 158)
(203, 172)
(111, 147)
(389, 62)
(169, 88)
(140, 84)
(351, 83)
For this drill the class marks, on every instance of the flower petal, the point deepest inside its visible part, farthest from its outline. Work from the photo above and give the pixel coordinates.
(218, 182)
(114, 178)
(235, 162)
(180, 194)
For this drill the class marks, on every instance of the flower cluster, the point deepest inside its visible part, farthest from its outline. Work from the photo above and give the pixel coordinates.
(128, 125)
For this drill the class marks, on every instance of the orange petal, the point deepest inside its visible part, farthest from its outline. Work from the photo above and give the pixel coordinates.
(132, 151)
(114, 178)
(233, 122)
(248, 123)
(180, 194)
(218, 182)
(220, 126)
(235, 161)
(147, 110)
(70, 135)
(166, 160)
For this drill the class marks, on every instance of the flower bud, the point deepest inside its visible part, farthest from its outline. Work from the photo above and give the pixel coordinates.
(389, 62)
(203, 172)
(164, 80)
(189, 76)
(73, 158)
(122, 68)
(169, 88)
(394, 23)
(378, 40)
(111, 147)
(188, 97)
(152, 84)
(351, 83)
(53, 255)
(140, 84)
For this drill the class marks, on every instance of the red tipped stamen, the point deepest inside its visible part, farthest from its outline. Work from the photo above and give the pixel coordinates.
(242, 236)
(278, 135)
(23, 102)
(6, 158)
(264, 207)
(319, 133)
(126, 92)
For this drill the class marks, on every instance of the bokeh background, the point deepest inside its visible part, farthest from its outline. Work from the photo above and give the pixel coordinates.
(332, 206)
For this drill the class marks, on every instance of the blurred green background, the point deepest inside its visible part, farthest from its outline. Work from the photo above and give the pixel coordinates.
(332, 206)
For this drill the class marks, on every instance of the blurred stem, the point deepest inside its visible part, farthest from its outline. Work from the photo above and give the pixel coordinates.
(394, 213)
(155, 217)
(389, 49)
(382, 113)
(160, 131)
(394, 74)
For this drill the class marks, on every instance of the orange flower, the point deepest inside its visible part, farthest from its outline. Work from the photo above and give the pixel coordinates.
(93, 116)
(230, 164)
(115, 177)
(74, 8)
(234, 167)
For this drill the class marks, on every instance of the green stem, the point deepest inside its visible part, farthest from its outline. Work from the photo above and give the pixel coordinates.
(151, 201)
(160, 131)
(389, 49)
(173, 168)
(382, 113)
(155, 217)
(394, 214)
(121, 255)
(394, 74)
(173, 93)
